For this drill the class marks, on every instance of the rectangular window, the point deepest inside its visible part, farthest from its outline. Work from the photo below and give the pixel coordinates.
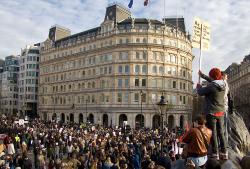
(137, 82)
(126, 82)
(136, 97)
(120, 69)
(105, 70)
(120, 83)
(154, 83)
(127, 69)
(101, 70)
(110, 69)
(143, 82)
(119, 97)
(174, 84)
(173, 99)
(126, 95)
(180, 85)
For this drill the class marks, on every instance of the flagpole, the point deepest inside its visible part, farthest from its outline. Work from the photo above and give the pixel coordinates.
(164, 9)
(200, 59)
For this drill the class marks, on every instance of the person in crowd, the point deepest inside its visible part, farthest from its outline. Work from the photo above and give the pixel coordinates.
(197, 140)
(226, 98)
(214, 110)
(27, 163)
(10, 148)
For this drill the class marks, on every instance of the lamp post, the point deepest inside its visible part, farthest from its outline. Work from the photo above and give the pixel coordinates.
(141, 93)
(162, 104)
(86, 101)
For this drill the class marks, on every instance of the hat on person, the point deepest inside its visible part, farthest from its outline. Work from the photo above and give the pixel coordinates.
(215, 74)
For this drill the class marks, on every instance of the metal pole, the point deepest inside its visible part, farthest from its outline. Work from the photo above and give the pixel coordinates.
(200, 54)
(86, 111)
(141, 111)
(54, 104)
(161, 132)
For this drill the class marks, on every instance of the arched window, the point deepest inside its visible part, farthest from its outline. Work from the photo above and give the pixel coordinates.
(144, 40)
(137, 68)
(154, 41)
(161, 70)
(137, 40)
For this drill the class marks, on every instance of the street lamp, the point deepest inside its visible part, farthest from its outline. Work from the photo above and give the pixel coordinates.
(141, 93)
(162, 104)
(86, 101)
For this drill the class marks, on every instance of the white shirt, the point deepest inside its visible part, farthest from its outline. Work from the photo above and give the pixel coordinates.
(11, 149)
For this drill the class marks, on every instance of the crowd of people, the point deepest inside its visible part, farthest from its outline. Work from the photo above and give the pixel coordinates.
(51, 145)
(54, 145)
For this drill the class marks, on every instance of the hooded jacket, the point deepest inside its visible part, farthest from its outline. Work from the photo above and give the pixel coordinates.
(226, 100)
(214, 96)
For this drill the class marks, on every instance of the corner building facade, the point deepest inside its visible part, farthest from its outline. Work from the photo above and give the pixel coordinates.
(117, 72)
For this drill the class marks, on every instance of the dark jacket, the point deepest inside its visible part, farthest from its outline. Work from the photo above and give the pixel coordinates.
(214, 96)
(27, 163)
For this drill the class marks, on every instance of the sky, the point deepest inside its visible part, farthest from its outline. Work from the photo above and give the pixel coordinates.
(24, 22)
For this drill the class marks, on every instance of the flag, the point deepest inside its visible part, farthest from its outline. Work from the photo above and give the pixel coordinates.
(130, 4)
(185, 132)
(146, 2)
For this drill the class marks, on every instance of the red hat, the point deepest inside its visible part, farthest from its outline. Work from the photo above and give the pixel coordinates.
(215, 74)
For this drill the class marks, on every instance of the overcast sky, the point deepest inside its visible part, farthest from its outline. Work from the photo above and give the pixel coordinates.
(25, 22)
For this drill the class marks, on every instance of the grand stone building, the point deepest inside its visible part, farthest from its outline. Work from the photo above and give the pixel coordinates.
(117, 72)
(239, 84)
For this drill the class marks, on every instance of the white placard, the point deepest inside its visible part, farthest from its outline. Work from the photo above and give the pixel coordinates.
(196, 32)
(201, 34)
(21, 122)
(206, 29)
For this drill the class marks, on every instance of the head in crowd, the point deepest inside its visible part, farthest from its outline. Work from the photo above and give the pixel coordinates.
(212, 164)
(224, 75)
(215, 74)
(200, 120)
